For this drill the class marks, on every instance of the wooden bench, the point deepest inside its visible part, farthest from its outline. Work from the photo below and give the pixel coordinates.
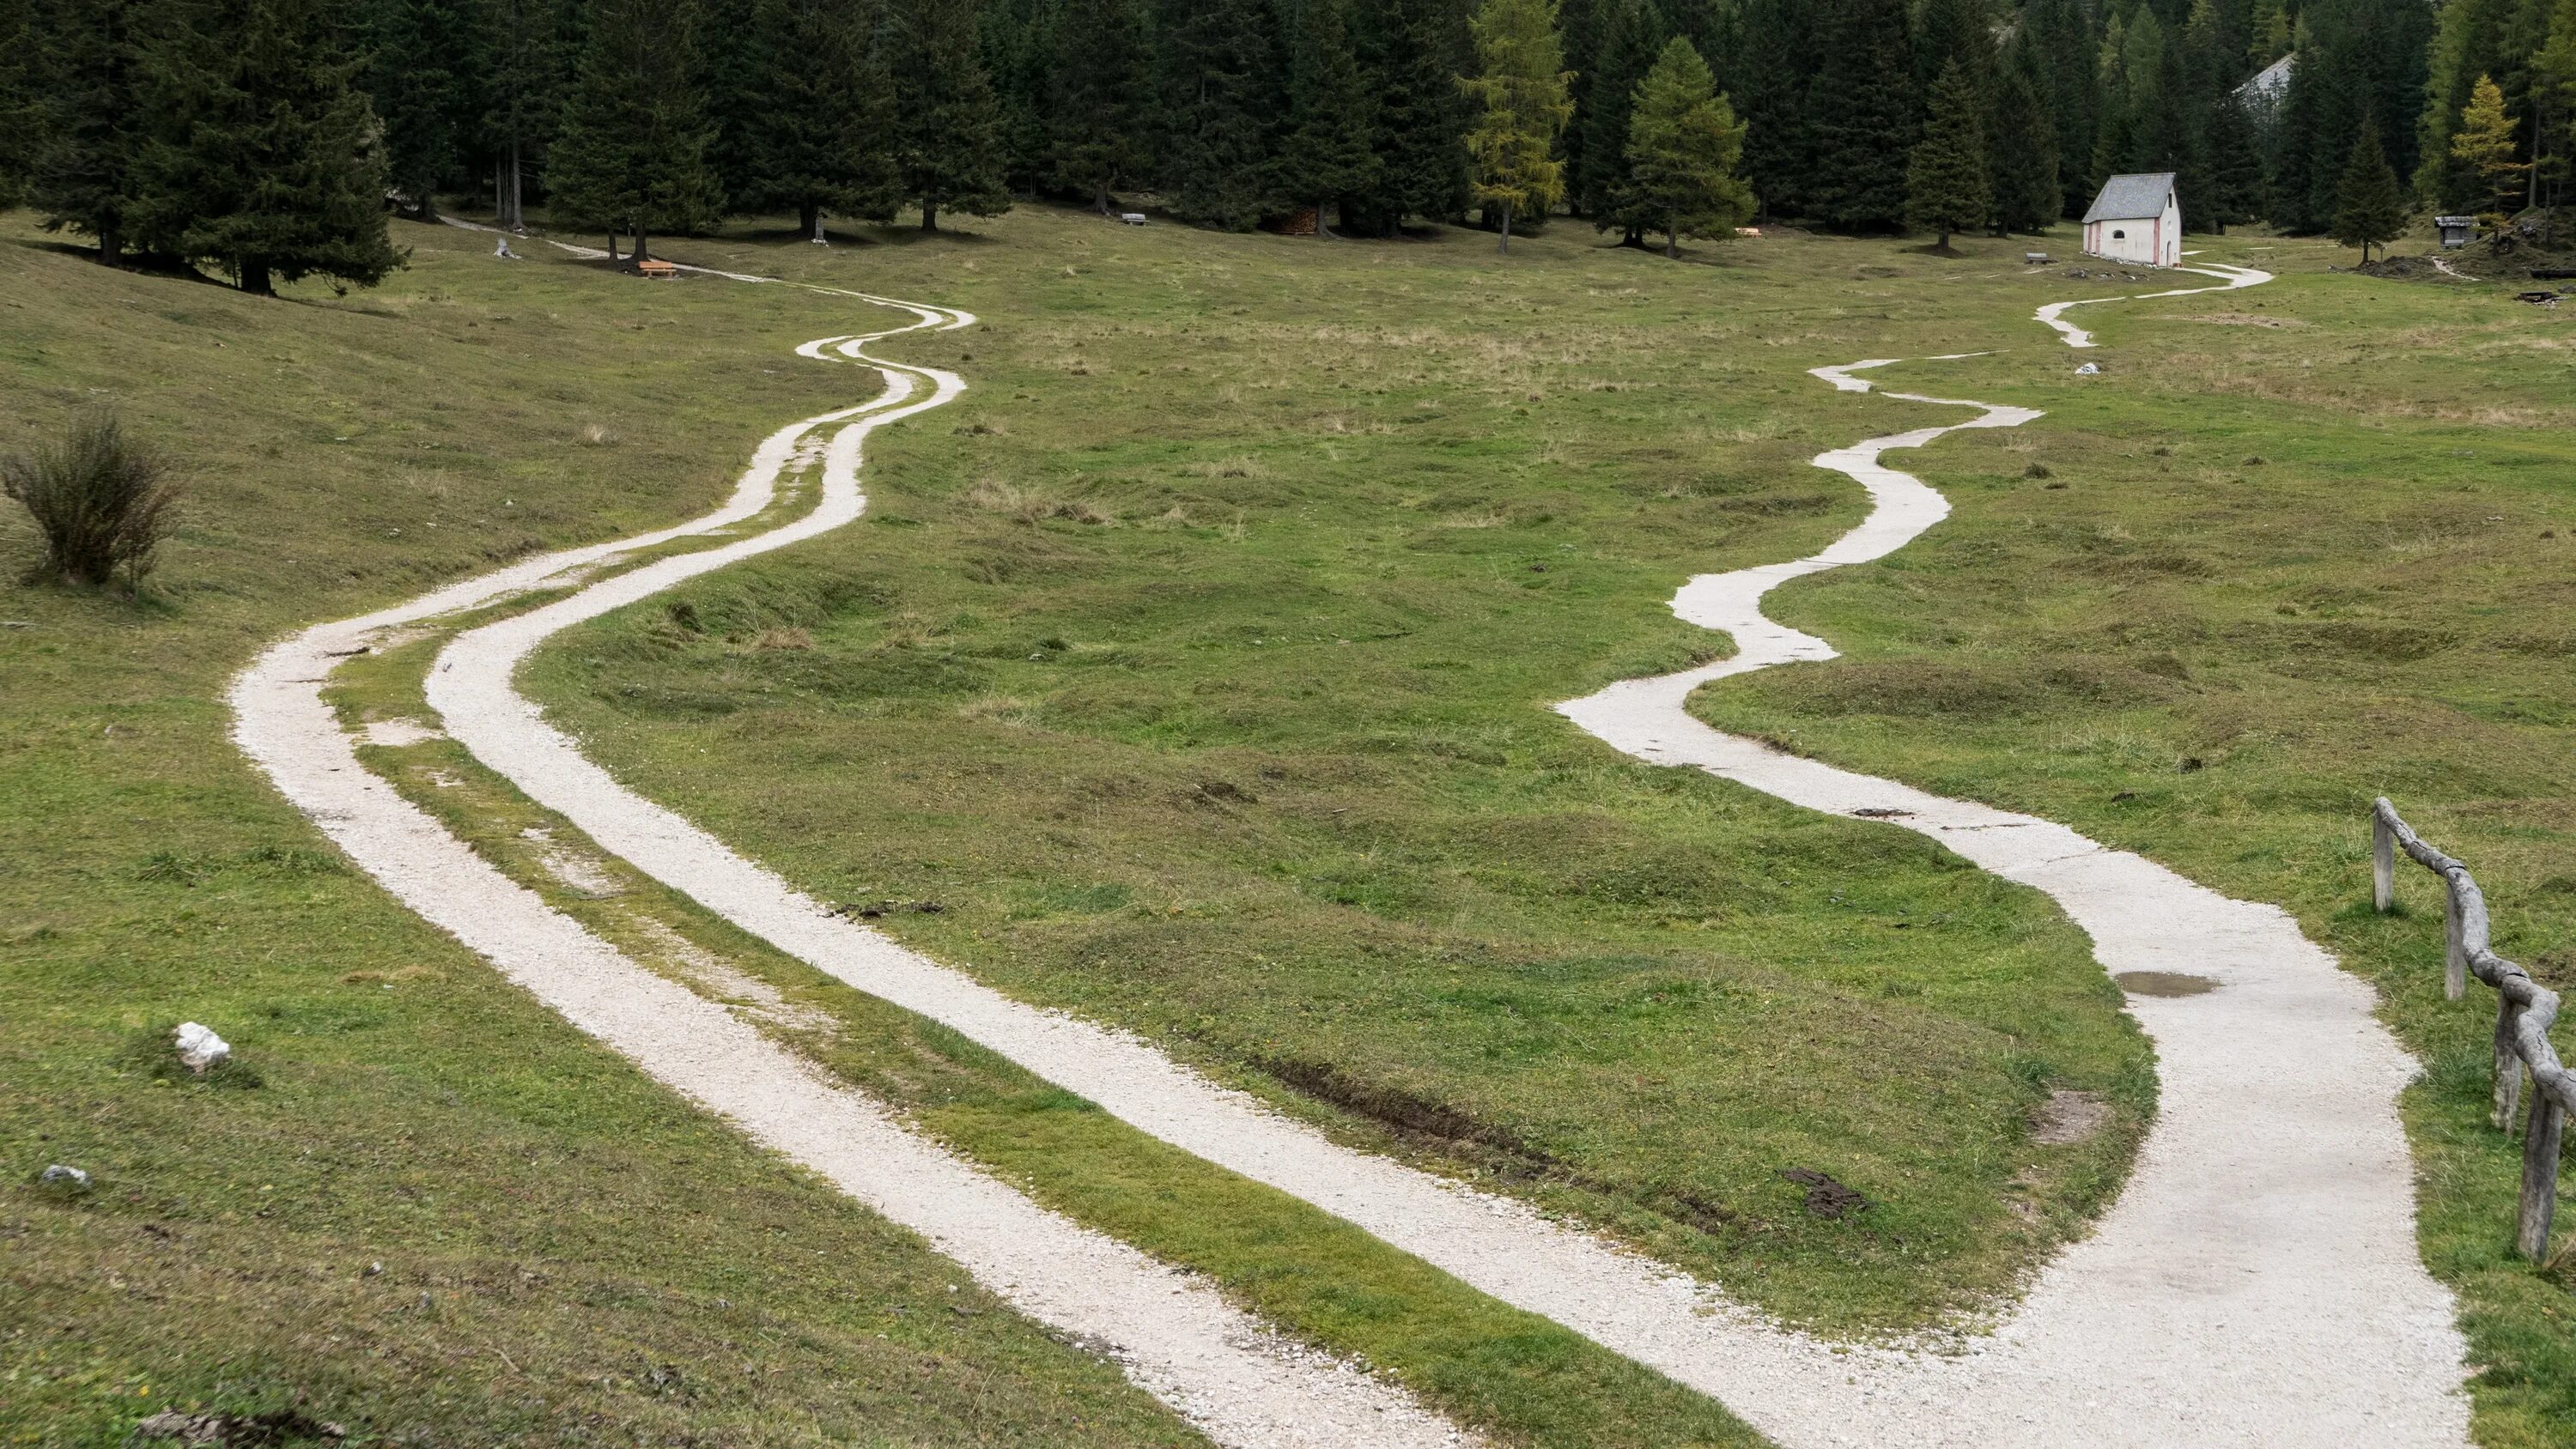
(654, 267)
(2034, 259)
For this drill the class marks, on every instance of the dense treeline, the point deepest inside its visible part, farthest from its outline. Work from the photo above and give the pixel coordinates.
(265, 137)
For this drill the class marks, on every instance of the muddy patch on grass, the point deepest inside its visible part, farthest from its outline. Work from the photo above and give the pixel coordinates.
(2068, 1117)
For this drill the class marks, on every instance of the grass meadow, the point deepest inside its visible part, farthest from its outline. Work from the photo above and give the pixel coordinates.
(1196, 665)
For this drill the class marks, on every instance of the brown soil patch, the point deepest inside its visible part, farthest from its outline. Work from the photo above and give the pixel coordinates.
(2067, 1117)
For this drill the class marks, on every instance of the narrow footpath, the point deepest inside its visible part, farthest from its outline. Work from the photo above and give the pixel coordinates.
(2256, 1284)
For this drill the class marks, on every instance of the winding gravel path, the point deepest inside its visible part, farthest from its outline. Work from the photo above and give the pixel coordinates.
(1173, 1334)
(2257, 1284)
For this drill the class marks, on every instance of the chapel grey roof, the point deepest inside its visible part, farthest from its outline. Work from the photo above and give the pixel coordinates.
(2132, 198)
(2270, 81)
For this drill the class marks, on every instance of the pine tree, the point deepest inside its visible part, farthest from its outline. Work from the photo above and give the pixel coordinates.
(1861, 115)
(1326, 152)
(2471, 41)
(1520, 87)
(1946, 187)
(2061, 37)
(949, 137)
(264, 158)
(530, 54)
(20, 127)
(1222, 110)
(1953, 32)
(726, 72)
(1767, 78)
(1411, 51)
(1578, 27)
(2022, 148)
(421, 79)
(2232, 151)
(2553, 94)
(1018, 41)
(1103, 106)
(2484, 145)
(633, 152)
(1684, 146)
(2369, 208)
(2360, 63)
(2270, 37)
(88, 87)
(821, 138)
(1596, 141)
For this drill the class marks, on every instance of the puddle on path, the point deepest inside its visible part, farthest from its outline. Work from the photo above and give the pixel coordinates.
(2164, 983)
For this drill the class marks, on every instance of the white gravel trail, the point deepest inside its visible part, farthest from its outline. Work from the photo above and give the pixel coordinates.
(1172, 1333)
(2256, 1285)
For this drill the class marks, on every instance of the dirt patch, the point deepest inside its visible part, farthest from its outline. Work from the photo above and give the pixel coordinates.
(1827, 1198)
(280, 1426)
(1409, 1115)
(2245, 319)
(2164, 983)
(2068, 1117)
(2403, 269)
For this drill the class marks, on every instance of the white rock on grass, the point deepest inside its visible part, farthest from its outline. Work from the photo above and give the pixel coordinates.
(200, 1050)
(72, 1175)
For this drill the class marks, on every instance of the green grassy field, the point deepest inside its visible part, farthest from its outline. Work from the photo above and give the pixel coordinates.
(2317, 545)
(442, 1213)
(1197, 663)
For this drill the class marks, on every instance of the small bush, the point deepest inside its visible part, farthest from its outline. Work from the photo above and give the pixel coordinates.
(103, 501)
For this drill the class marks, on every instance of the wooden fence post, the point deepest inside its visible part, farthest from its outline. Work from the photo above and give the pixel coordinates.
(2508, 1063)
(2455, 952)
(2539, 1175)
(2383, 864)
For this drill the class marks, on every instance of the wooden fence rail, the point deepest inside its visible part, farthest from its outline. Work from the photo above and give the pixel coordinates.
(2525, 1010)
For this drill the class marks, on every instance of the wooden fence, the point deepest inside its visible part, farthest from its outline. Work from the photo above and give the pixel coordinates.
(2525, 1010)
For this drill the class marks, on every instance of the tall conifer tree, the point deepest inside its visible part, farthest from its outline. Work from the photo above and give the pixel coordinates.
(1860, 115)
(1326, 152)
(1946, 187)
(1103, 106)
(632, 156)
(264, 158)
(2234, 155)
(821, 139)
(1222, 108)
(88, 83)
(2062, 39)
(1953, 32)
(949, 145)
(1767, 79)
(1684, 146)
(1596, 143)
(1520, 91)
(1020, 44)
(1411, 50)
(530, 49)
(423, 80)
(2021, 147)
(21, 126)
(2484, 148)
(2369, 208)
